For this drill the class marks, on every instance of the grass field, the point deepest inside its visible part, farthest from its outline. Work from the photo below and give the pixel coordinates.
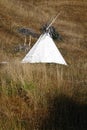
(43, 96)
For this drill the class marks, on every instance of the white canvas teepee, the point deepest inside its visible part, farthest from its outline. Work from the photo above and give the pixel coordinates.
(44, 51)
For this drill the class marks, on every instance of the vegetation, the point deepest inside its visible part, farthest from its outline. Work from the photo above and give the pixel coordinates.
(43, 96)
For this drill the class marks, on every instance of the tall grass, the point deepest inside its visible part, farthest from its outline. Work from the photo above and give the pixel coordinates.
(29, 92)
(44, 96)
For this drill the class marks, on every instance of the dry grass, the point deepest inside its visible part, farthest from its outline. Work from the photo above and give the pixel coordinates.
(30, 92)
(43, 96)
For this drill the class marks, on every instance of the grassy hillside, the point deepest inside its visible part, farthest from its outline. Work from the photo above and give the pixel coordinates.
(43, 96)
(71, 24)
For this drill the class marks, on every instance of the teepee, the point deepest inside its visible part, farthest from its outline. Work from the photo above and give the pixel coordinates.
(44, 51)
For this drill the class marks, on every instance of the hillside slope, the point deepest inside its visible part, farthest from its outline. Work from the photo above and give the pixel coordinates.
(43, 96)
(71, 24)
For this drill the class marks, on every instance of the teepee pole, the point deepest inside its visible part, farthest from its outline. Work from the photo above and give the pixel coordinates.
(53, 20)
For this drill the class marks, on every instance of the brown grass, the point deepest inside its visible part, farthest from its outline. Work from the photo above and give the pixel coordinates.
(43, 96)
(27, 91)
